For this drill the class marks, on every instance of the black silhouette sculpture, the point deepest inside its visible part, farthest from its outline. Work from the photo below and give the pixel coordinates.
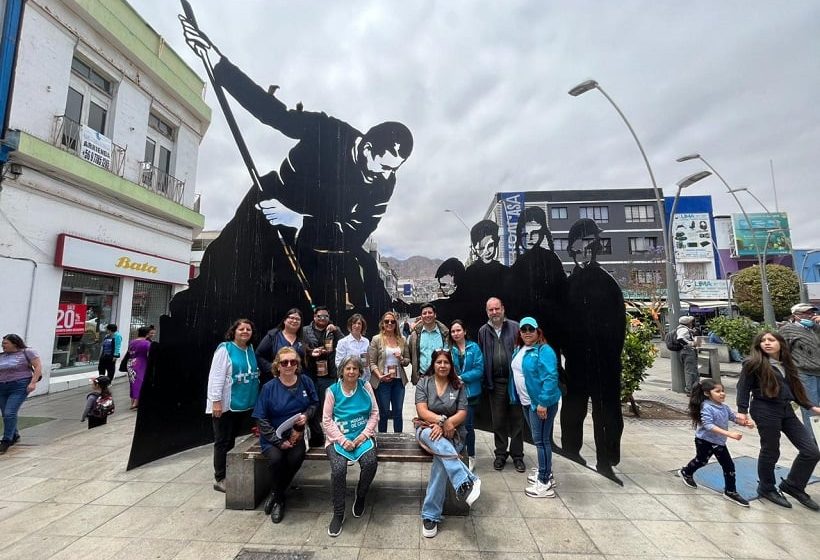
(450, 275)
(296, 239)
(594, 332)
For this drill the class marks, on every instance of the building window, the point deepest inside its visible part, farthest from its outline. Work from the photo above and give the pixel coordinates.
(560, 244)
(87, 103)
(98, 294)
(161, 126)
(640, 213)
(149, 303)
(651, 277)
(598, 213)
(90, 75)
(606, 246)
(558, 213)
(642, 244)
(159, 150)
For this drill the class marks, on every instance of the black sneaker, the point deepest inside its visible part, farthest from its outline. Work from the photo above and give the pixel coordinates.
(269, 504)
(499, 463)
(774, 496)
(687, 479)
(519, 465)
(736, 498)
(15, 439)
(429, 528)
(788, 488)
(358, 506)
(4, 446)
(335, 527)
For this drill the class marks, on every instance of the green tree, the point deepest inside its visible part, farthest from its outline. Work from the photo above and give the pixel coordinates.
(783, 287)
(638, 356)
(737, 333)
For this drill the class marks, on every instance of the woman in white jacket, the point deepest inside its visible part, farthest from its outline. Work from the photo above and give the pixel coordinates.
(233, 386)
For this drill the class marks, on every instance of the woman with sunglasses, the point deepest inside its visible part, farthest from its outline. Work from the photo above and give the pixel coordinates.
(441, 409)
(388, 355)
(285, 405)
(469, 364)
(349, 417)
(287, 333)
(535, 385)
(233, 385)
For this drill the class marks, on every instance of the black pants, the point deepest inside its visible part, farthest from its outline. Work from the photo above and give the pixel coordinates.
(106, 366)
(506, 422)
(703, 452)
(226, 428)
(338, 476)
(317, 435)
(94, 421)
(771, 419)
(283, 466)
(607, 425)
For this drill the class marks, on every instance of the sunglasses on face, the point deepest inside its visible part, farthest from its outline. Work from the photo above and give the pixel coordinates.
(527, 329)
(288, 363)
(389, 322)
(323, 316)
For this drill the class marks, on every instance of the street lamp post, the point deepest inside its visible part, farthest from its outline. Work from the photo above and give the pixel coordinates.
(469, 244)
(768, 308)
(672, 295)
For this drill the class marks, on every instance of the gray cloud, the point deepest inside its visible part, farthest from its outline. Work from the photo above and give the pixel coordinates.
(483, 85)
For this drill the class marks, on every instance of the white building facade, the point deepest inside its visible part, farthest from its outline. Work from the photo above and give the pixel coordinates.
(97, 207)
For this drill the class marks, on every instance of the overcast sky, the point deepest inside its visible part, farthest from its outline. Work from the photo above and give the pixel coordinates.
(483, 87)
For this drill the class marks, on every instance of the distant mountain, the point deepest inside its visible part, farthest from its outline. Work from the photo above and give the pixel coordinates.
(414, 267)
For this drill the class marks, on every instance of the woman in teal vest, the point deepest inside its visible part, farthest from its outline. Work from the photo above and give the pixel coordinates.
(233, 386)
(349, 420)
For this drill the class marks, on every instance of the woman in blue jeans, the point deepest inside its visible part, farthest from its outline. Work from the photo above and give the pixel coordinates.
(20, 370)
(388, 355)
(441, 408)
(535, 385)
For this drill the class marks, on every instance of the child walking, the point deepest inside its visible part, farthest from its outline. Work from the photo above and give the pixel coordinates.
(98, 415)
(710, 418)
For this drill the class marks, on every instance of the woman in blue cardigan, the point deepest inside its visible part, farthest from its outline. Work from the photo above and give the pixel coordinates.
(469, 364)
(534, 384)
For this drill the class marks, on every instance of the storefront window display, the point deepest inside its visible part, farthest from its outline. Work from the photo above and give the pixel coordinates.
(149, 303)
(87, 305)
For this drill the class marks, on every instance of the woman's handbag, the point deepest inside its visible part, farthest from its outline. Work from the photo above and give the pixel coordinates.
(124, 364)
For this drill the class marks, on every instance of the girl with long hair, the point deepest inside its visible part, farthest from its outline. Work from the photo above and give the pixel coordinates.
(771, 378)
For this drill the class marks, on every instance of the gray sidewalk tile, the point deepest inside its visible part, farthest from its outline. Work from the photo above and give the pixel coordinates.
(504, 534)
(677, 539)
(295, 529)
(32, 519)
(641, 506)
(613, 536)
(83, 520)
(590, 506)
(393, 531)
(560, 536)
(402, 554)
(171, 494)
(35, 546)
(182, 523)
(149, 549)
(43, 491)
(743, 540)
(200, 550)
(455, 533)
(128, 493)
(713, 507)
(90, 546)
(133, 522)
(547, 508)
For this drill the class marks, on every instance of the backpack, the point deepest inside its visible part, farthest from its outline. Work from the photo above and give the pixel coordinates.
(104, 406)
(672, 341)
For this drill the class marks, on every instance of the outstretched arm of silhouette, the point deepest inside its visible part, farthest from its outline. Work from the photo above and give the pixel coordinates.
(280, 215)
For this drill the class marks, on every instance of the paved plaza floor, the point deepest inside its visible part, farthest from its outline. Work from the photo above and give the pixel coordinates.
(66, 495)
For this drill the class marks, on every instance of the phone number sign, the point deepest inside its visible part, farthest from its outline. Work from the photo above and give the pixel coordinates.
(71, 318)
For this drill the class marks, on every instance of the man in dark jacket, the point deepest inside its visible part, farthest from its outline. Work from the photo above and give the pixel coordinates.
(803, 336)
(497, 340)
(321, 339)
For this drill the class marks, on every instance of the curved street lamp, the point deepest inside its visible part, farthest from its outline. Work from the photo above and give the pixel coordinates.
(672, 294)
(768, 308)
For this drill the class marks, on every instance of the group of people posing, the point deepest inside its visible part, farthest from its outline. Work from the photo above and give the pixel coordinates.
(309, 385)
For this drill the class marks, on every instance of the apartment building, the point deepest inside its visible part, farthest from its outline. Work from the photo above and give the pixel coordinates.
(98, 206)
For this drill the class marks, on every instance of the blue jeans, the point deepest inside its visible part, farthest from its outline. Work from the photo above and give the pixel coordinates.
(387, 394)
(812, 385)
(446, 466)
(541, 430)
(12, 395)
(469, 439)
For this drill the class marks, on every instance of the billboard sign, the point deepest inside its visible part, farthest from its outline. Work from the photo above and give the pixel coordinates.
(692, 237)
(751, 236)
(512, 204)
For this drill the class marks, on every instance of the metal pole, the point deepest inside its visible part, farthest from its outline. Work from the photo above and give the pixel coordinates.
(672, 294)
(768, 309)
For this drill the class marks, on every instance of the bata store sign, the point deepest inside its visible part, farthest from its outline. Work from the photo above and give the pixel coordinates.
(71, 318)
(91, 256)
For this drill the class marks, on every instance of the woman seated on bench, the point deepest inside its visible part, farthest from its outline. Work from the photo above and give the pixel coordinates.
(281, 437)
(349, 421)
(441, 406)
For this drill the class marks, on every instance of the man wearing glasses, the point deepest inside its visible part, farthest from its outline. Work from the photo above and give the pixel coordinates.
(497, 339)
(428, 335)
(321, 338)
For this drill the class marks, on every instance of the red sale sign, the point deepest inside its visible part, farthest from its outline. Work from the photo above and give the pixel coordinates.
(71, 318)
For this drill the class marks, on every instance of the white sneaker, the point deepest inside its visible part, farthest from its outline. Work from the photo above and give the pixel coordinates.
(540, 490)
(532, 478)
(475, 492)
(471, 463)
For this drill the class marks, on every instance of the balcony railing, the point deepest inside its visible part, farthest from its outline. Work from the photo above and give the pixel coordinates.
(88, 144)
(158, 181)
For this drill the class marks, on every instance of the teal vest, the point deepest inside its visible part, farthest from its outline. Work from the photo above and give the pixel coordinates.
(244, 377)
(351, 415)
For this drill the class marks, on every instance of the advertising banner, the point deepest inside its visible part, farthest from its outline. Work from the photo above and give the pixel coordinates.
(512, 204)
(96, 148)
(752, 237)
(71, 319)
(692, 237)
(703, 289)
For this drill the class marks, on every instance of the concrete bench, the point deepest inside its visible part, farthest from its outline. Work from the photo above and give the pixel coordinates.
(248, 481)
